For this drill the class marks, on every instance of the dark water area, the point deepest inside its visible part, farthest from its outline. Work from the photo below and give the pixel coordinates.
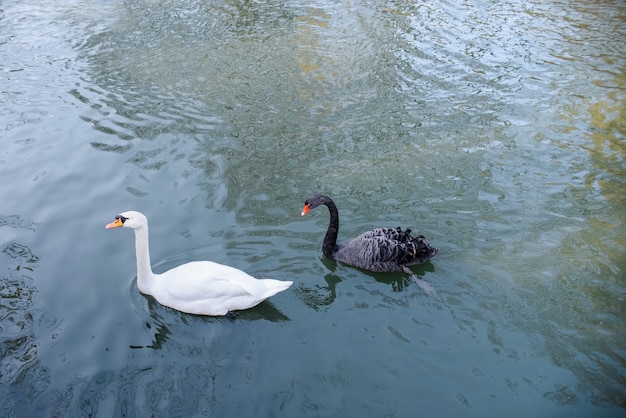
(495, 129)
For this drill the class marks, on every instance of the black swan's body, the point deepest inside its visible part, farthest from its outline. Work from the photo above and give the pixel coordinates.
(380, 250)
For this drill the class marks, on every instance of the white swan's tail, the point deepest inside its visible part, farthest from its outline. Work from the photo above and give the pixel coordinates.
(275, 286)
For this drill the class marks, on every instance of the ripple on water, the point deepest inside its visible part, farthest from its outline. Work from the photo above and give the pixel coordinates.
(19, 346)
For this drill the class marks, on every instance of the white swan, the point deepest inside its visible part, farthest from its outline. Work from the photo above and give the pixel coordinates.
(198, 287)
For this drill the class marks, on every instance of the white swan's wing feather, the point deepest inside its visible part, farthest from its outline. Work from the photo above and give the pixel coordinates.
(205, 287)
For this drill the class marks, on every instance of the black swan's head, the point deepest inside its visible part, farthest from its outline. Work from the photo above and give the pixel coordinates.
(314, 201)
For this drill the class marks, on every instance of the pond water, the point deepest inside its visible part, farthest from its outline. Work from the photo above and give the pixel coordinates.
(495, 129)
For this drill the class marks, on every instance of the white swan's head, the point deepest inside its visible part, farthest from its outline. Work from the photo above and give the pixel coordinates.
(131, 219)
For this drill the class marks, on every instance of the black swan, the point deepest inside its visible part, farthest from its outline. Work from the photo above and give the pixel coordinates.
(380, 250)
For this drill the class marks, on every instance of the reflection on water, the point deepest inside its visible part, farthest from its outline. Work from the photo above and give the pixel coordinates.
(494, 128)
(320, 296)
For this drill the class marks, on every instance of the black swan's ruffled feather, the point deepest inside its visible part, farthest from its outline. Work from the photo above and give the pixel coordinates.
(384, 249)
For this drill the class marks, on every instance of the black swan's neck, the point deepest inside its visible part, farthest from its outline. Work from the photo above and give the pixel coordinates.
(330, 240)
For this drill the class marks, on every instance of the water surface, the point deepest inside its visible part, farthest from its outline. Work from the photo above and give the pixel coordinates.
(496, 129)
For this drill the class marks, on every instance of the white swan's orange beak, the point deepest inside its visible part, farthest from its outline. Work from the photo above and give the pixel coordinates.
(305, 210)
(115, 224)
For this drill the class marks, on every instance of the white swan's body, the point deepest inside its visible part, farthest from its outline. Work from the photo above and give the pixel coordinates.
(199, 287)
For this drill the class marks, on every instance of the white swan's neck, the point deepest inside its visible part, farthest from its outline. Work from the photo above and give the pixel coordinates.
(145, 275)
